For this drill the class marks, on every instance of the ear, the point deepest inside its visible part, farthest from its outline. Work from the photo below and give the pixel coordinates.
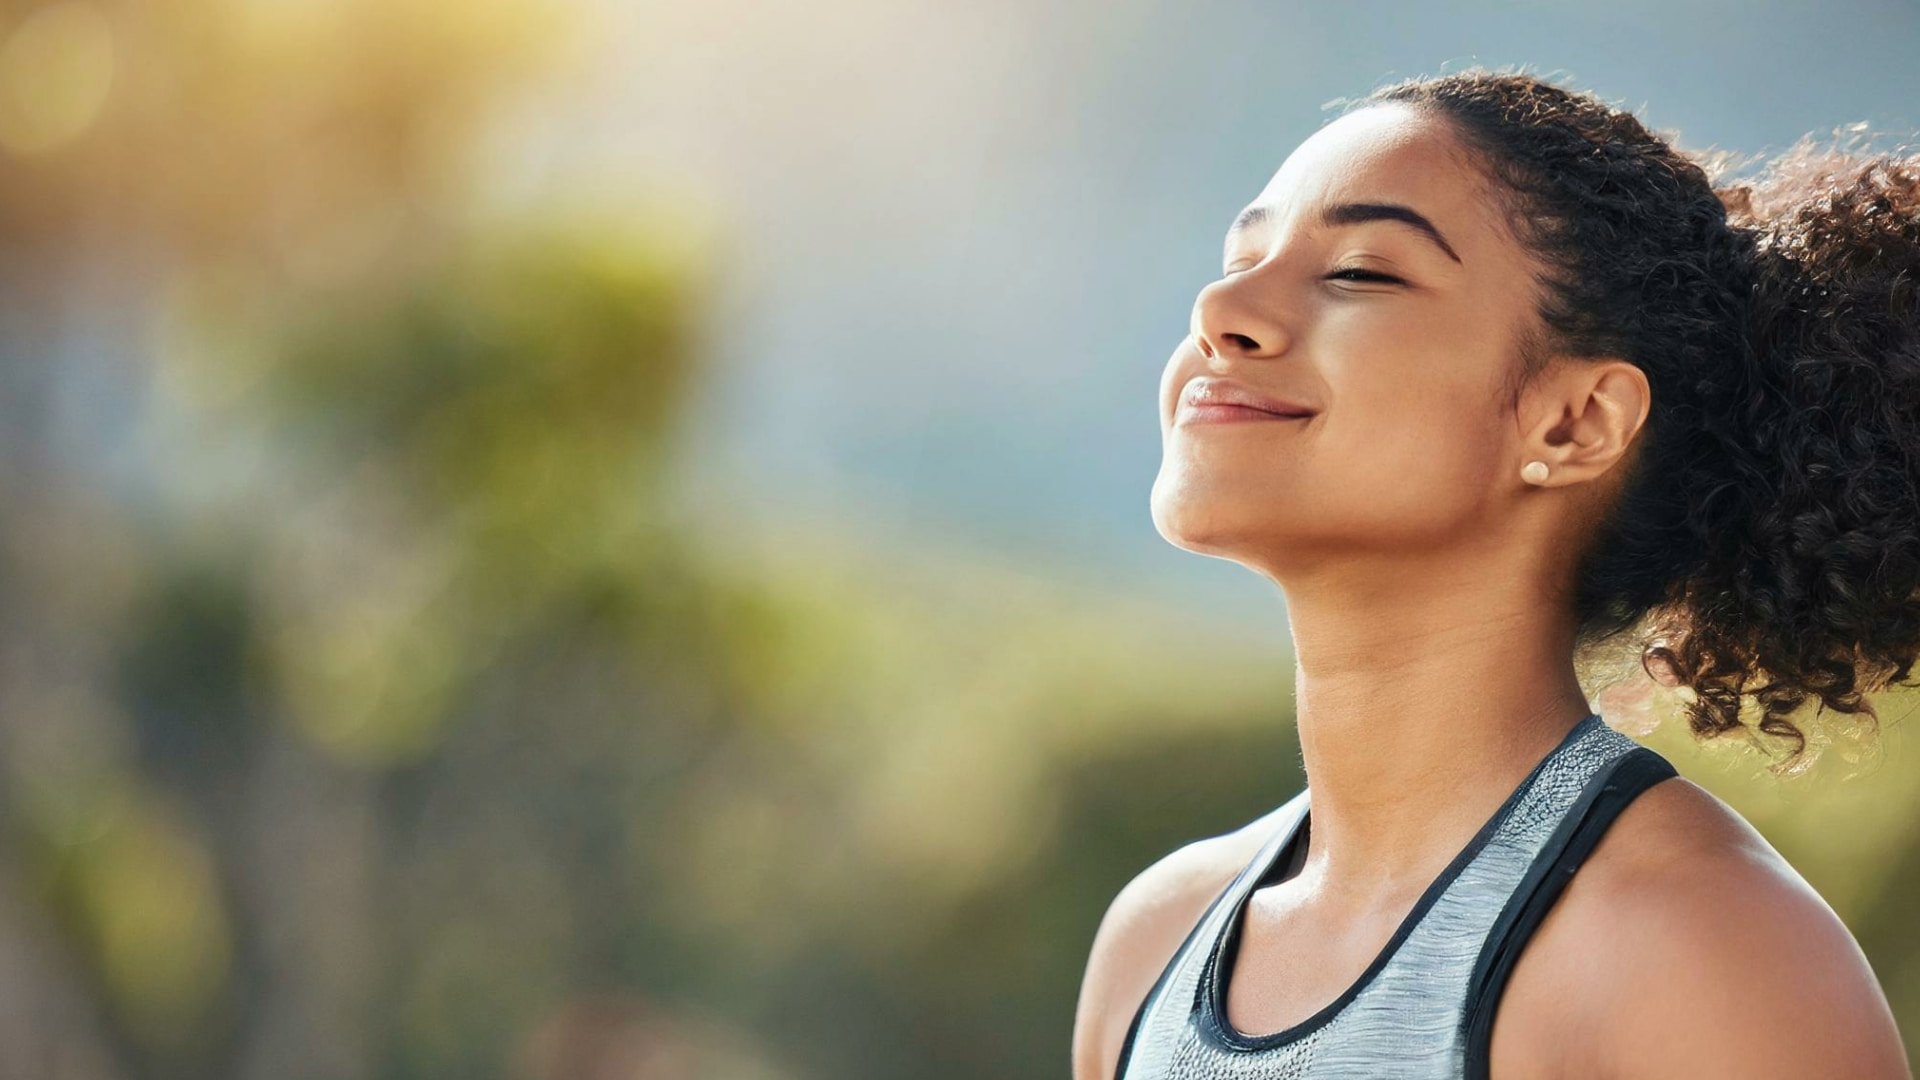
(1581, 420)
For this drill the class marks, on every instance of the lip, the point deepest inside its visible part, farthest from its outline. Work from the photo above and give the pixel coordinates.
(1227, 414)
(1214, 398)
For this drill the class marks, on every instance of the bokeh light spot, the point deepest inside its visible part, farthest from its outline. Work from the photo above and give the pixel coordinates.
(55, 70)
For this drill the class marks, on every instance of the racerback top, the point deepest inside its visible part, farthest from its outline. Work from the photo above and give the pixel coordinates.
(1423, 1009)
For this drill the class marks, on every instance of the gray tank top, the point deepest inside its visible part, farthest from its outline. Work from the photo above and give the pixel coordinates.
(1423, 1010)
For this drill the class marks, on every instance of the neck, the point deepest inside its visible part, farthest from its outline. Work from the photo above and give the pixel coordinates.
(1426, 692)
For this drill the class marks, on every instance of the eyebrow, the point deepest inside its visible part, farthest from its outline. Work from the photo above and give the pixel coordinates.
(1353, 214)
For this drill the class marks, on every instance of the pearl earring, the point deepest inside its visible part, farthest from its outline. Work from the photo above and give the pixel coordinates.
(1535, 472)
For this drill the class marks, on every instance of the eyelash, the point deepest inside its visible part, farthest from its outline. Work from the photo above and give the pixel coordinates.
(1365, 275)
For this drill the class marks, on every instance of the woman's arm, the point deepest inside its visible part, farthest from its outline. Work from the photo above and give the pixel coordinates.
(1688, 947)
(1741, 970)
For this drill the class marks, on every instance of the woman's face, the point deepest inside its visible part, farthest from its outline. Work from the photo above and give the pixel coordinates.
(1399, 341)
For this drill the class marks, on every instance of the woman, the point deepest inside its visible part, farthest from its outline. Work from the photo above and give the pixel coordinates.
(1493, 377)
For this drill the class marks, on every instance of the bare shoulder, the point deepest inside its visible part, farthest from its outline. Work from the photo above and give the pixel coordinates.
(1687, 946)
(1142, 929)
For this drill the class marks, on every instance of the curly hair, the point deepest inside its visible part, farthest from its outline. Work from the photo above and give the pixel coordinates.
(1765, 538)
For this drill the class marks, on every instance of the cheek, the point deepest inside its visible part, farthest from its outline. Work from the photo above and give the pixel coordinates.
(1412, 452)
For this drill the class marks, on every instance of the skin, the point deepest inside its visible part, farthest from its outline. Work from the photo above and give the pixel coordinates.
(1426, 585)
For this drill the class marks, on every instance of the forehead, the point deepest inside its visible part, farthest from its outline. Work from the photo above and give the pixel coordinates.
(1392, 154)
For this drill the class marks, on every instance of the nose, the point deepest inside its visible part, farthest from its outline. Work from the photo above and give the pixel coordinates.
(1228, 320)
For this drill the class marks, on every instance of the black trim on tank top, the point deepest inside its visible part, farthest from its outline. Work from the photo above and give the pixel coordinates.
(1607, 793)
(1216, 975)
(1166, 972)
(1140, 1011)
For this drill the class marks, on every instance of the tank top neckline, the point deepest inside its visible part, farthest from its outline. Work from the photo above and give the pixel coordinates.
(1218, 972)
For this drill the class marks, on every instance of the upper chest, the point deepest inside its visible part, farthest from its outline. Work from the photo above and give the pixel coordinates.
(1295, 955)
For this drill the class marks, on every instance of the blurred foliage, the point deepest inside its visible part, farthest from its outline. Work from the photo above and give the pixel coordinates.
(372, 710)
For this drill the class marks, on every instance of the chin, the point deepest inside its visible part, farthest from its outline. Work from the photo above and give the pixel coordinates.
(1202, 526)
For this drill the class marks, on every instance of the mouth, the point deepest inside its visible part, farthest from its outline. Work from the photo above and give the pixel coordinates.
(1214, 413)
(1214, 397)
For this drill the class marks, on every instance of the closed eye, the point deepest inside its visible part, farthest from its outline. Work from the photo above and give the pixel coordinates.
(1355, 273)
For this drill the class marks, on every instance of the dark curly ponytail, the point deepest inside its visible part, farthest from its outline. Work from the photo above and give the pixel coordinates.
(1764, 549)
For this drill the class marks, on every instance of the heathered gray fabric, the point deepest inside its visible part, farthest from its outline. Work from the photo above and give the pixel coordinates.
(1408, 1022)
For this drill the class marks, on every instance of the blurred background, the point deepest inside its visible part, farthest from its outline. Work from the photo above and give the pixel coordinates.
(610, 539)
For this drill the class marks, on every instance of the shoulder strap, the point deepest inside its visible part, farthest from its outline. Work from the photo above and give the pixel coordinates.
(1255, 866)
(1586, 821)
